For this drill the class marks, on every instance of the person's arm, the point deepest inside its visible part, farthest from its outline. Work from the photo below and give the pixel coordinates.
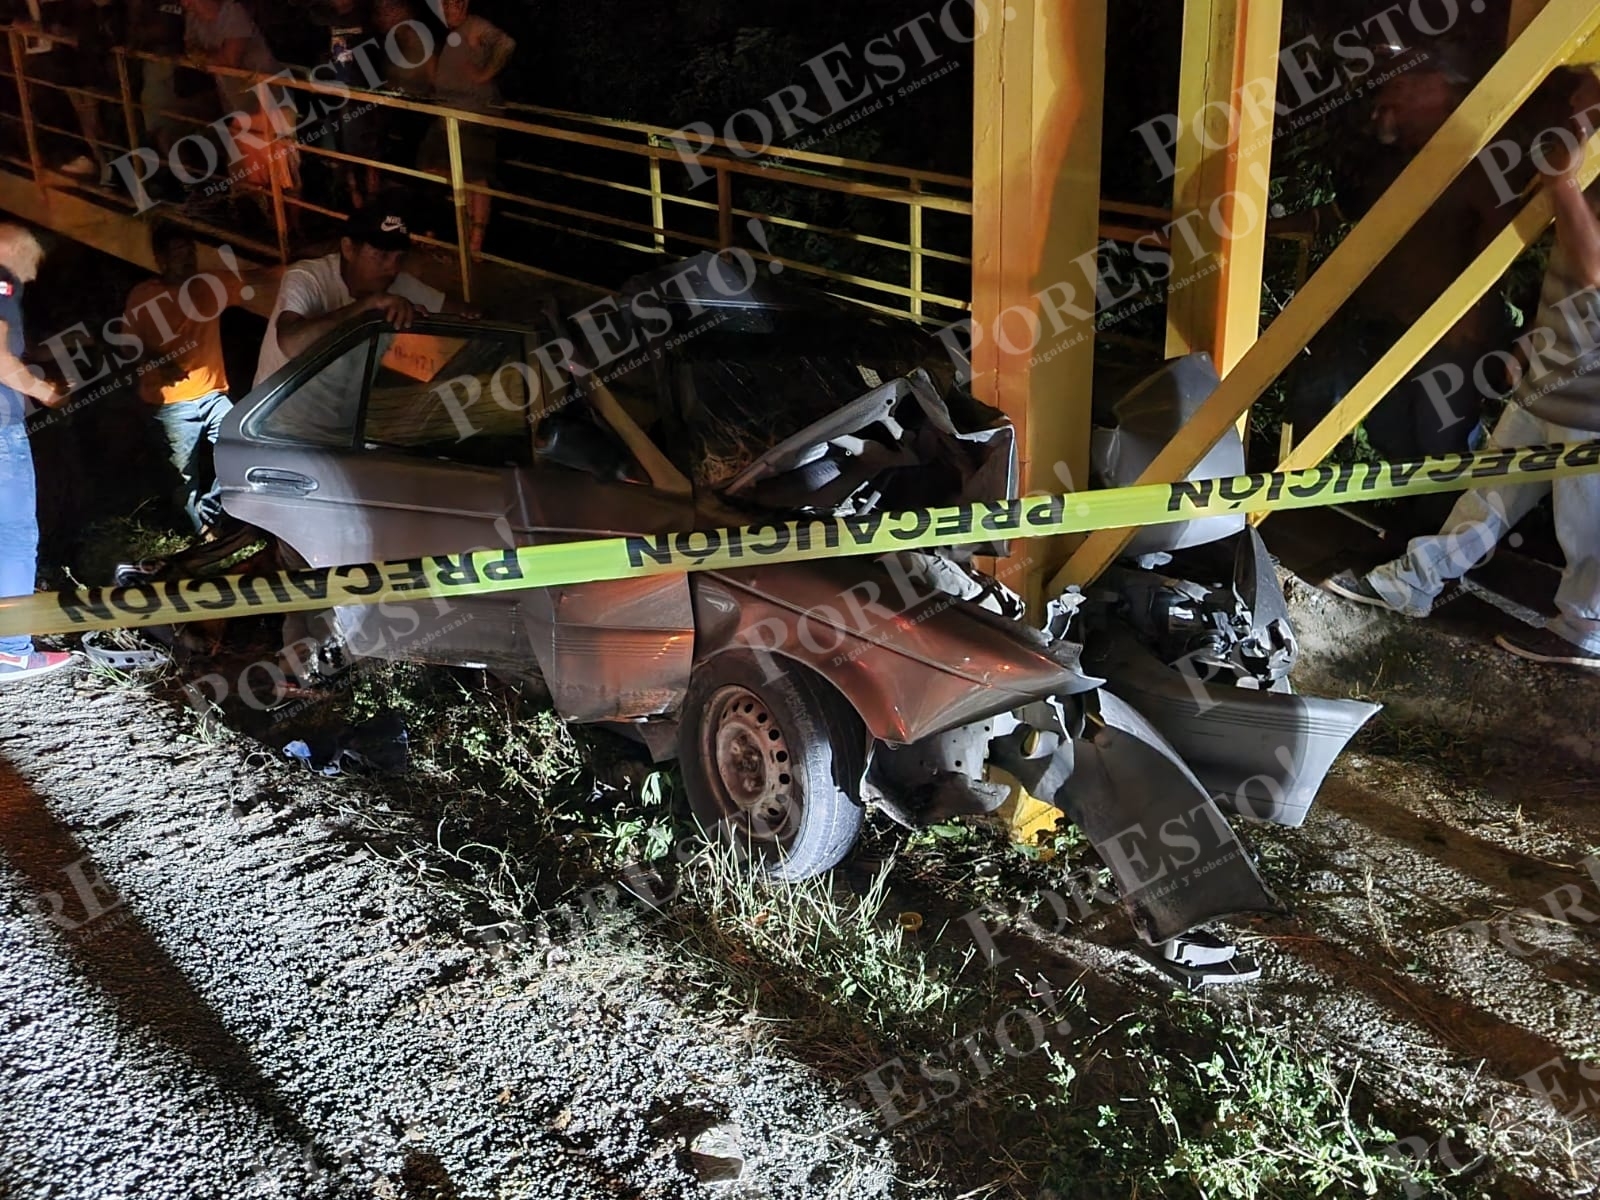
(298, 333)
(1577, 227)
(498, 46)
(409, 48)
(16, 374)
(230, 53)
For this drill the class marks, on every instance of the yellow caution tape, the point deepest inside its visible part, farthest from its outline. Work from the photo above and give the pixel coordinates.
(480, 571)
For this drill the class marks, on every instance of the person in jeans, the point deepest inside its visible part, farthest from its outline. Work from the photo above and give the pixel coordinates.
(1563, 376)
(181, 373)
(19, 525)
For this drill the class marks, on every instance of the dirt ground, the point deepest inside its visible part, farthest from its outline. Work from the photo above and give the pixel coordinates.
(216, 978)
(210, 987)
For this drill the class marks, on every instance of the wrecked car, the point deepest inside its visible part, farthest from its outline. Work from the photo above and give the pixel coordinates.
(794, 695)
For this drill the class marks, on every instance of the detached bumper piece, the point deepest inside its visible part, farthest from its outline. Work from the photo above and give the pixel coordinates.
(1176, 861)
(1261, 754)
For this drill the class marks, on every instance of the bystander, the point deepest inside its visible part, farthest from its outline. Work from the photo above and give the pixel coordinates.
(474, 54)
(1411, 106)
(181, 372)
(19, 526)
(1562, 339)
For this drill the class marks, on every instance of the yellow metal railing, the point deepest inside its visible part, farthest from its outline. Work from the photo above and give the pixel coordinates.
(636, 201)
(631, 198)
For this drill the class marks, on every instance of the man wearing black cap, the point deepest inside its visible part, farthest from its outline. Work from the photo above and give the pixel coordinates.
(318, 295)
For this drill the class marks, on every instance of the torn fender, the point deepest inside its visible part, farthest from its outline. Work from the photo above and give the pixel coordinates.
(910, 659)
(1260, 754)
(1177, 863)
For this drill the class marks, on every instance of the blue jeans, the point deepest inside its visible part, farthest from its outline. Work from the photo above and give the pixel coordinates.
(19, 525)
(185, 424)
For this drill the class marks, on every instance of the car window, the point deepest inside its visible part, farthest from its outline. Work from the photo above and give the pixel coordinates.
(323, 409)
(459, 397)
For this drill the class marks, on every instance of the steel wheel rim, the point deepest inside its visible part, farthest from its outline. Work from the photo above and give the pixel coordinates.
(746, 757)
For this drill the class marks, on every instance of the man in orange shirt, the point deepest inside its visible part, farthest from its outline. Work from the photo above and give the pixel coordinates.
(178, 319)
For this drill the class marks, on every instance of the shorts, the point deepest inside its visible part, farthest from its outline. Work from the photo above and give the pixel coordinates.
(165, 107)
(478, 152)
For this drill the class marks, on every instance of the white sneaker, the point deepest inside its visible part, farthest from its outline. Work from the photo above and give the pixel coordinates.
(82, 166)
(1544, 646)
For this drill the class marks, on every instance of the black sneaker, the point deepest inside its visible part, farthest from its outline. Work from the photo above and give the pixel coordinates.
(1543, 646)
(1355, 587)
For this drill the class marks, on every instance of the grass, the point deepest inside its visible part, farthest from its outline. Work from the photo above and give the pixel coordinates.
(104, 544)
(1206, 1106)
(850, 950)
(1148, 1095)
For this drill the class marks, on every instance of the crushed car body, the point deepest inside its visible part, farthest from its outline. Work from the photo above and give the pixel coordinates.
(794, 695)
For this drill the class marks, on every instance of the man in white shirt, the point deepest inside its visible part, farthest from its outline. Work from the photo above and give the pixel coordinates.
(317, 295)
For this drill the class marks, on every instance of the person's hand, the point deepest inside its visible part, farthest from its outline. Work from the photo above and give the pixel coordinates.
(48, 393)
(1567, 158)
(396, 310)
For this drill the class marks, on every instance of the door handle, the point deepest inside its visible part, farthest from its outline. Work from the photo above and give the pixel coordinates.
(271, 479)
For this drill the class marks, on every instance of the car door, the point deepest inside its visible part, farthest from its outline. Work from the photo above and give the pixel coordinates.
(357, 455)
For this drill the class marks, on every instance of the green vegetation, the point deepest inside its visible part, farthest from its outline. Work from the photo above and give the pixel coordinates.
(130, 539)
(1139, 1091)
(1238, 1111)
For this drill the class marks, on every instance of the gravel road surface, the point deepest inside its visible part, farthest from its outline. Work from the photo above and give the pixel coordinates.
(209, 988)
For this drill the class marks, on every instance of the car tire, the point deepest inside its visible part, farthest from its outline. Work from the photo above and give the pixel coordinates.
(772, 763)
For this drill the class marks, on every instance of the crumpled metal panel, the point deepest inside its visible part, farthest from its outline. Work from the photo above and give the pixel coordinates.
(911, 660)
(842, 462)
(939, 777)
(1177, 863)
(1262, 754)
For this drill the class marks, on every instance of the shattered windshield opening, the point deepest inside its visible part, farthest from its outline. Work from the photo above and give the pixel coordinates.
(754, 376)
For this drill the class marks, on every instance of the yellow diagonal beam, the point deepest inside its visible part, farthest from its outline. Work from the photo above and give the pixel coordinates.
(1442, 314)
(1550, 40)
(1226, 91)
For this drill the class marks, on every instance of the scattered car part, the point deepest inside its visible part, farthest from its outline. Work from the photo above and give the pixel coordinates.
(110, 650)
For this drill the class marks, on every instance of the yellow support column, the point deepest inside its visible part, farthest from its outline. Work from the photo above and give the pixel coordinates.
(1222, 170)
(1039, 75)
(1550, 40)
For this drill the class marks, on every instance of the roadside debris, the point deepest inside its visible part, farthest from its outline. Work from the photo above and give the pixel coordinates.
(377, 744)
